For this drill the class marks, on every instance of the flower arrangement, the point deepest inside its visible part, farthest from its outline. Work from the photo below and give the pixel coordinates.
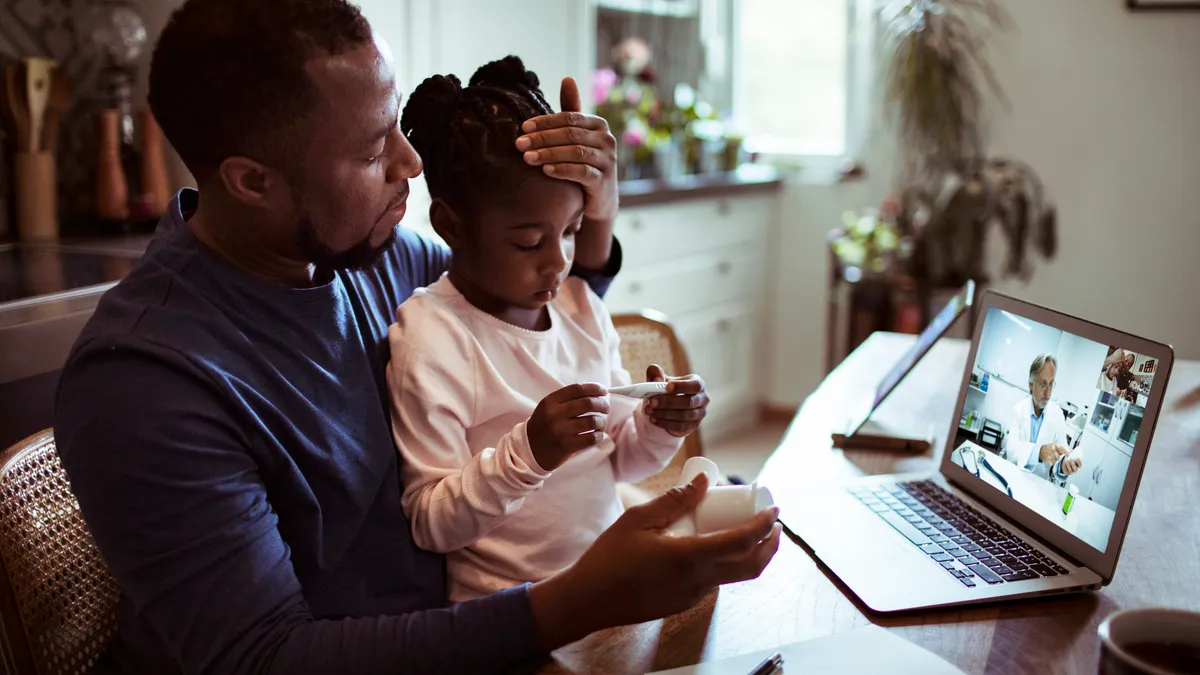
(871, 241)
(657, 138)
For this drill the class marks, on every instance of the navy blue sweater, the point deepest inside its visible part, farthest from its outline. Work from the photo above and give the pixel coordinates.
(231, 449)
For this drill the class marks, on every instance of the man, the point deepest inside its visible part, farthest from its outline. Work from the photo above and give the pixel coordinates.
(1037, 432)
(1116, 377)
(223, 418)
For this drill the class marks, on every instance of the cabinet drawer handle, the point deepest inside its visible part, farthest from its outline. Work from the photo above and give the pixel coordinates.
(723, 326)
(637, 225)
(635, 287)
(723, 207)
(724, 267)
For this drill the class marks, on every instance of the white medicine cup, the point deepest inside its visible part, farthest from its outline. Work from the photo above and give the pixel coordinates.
(723, 506)
(727, 506)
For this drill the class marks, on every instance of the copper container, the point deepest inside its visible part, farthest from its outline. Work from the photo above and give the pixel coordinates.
(112, 190)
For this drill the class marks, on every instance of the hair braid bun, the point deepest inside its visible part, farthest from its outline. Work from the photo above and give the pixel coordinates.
(430, 109)
(507, 73)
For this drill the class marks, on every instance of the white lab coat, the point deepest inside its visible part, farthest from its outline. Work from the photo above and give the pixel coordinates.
(1022, 450)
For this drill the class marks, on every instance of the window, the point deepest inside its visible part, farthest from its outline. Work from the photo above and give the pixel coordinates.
(797, 78)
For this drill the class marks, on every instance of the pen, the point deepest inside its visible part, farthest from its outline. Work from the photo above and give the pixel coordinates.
(769, 665)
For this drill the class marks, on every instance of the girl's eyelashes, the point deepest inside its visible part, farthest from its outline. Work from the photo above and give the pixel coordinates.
(530, 247)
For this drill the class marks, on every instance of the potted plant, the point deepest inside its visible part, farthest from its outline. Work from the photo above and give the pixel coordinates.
(951, 192)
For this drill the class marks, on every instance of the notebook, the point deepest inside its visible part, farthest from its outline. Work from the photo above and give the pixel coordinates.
(864, 651)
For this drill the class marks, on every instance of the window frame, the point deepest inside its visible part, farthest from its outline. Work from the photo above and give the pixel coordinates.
(809, 167)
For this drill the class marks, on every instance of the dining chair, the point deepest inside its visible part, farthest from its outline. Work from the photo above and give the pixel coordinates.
(647, 338)
(58, 600)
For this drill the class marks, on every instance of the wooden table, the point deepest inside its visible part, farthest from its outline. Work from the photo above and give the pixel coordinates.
(795, 599)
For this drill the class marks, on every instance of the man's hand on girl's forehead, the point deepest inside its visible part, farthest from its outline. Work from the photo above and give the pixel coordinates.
(572, 145)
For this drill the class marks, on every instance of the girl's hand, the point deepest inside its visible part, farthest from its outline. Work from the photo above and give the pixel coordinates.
(684, 406)
(577, 147)
(565, 422)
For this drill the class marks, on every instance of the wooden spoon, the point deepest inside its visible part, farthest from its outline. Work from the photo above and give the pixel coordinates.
(14, 97)
(60, 98)
(37, 89)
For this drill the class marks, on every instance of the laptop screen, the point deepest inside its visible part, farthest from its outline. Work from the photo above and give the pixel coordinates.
(1051, 419)
(860, 411)
(940, 324)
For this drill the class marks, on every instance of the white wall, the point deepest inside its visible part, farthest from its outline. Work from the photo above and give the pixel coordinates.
(555, 38)
(1080, 362)
(1008, 345)
(1103, 105)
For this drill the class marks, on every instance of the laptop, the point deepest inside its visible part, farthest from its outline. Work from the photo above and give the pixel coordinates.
(861, 431)
(998, 520)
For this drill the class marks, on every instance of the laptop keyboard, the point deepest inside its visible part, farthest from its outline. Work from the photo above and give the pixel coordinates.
(965, 542)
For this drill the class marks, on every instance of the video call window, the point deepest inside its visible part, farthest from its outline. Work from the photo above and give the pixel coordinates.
(1051, 419)
(1127, 375)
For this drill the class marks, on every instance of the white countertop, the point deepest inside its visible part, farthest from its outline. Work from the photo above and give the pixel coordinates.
(1088, 520)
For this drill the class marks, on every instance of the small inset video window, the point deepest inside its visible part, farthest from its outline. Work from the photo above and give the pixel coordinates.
(1128, 375)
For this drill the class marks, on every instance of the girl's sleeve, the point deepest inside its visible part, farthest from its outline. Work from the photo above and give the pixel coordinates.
(452, 495)
(642, 449)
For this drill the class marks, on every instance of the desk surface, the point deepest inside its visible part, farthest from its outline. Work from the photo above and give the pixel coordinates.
(1087, 520)
(795, 599)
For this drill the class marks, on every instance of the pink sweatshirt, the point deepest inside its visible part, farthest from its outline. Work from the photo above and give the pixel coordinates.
(463, 384)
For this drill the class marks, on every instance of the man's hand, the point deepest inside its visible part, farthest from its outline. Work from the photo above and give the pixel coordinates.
(1070, 466)
(635, 573)
(684, 406)
(574, 146)
(1050, 453)
(565, 422)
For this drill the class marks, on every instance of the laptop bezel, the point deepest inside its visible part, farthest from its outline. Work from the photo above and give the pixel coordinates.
(1103, 563)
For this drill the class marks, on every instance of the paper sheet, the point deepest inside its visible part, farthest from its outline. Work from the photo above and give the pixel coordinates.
(864, 651)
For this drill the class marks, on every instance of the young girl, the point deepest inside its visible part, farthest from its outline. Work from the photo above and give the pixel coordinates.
(511, 448)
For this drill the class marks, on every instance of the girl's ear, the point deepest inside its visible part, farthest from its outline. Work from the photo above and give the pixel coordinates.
(447, 223)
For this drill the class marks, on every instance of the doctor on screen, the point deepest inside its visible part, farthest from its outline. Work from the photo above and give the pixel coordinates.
(1037, 432)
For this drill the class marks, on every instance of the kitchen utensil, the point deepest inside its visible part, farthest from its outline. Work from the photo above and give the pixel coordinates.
(37, 93)
(112, 190)
(156, 190)
(14, 97)
(37, 206)
(60, 97)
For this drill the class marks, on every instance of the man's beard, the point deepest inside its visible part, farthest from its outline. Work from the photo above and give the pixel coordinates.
(361, 256)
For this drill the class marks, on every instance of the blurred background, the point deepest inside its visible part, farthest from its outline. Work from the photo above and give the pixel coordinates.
(796, 173)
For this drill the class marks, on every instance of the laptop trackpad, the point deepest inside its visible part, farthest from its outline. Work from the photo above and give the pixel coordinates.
(870, 557)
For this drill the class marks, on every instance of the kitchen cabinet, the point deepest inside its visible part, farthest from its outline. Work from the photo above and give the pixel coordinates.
(1106, 460)
(1117, 421)
(1095, 448)
(1110, 478)
(702, 262)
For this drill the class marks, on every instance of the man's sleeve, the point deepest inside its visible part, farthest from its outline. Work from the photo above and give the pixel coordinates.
(600, 280)
(177, 506)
